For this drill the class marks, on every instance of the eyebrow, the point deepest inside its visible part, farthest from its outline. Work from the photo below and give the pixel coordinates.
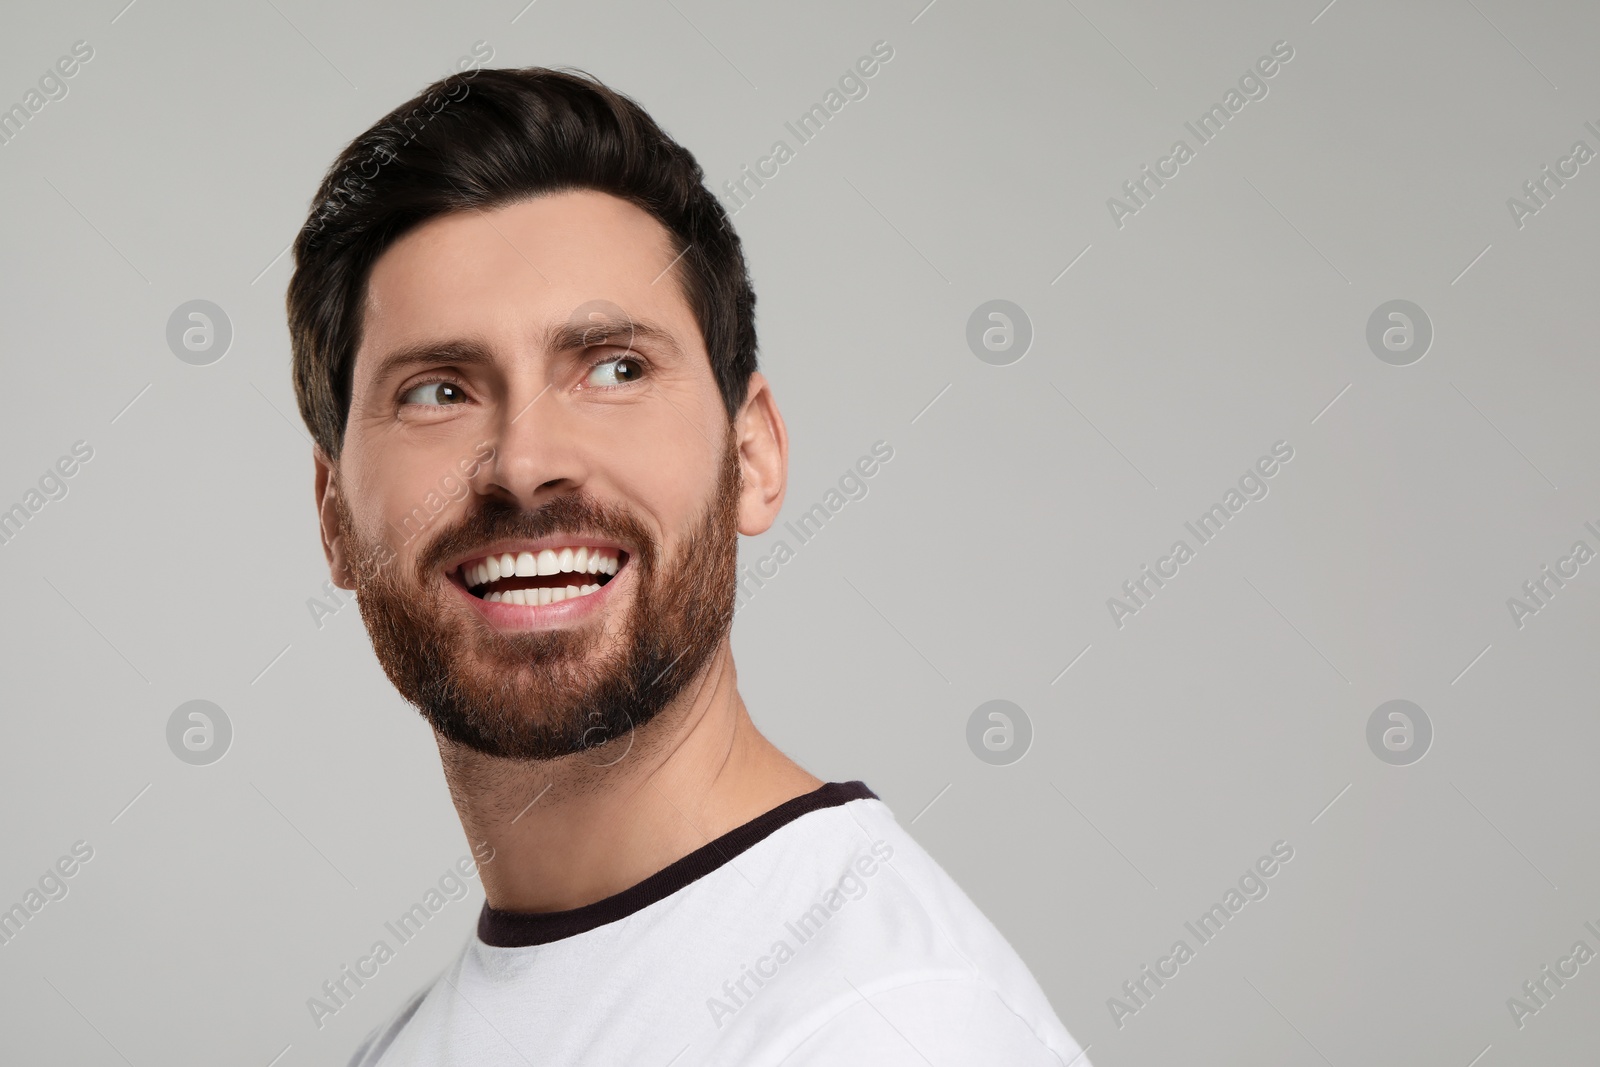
(464, 353)
(609, 330)
(565, 337)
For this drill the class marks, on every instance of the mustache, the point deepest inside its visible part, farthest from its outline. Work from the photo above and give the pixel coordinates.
(498, 520)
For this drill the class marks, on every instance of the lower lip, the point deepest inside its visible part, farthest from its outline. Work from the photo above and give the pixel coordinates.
(507, 616)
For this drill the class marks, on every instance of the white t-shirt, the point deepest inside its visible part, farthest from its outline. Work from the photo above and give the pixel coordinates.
(819, 933)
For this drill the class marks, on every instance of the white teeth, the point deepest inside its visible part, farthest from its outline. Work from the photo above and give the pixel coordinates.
(546, 595)
(583, 560)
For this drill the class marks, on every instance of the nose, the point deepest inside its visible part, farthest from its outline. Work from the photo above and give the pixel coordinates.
(536, 456)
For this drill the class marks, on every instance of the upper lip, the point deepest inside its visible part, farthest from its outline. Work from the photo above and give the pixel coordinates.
(516, 546)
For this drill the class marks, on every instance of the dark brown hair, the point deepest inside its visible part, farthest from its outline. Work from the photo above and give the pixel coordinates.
(484, 139)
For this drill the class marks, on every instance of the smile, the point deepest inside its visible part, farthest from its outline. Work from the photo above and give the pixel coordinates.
(549, 576)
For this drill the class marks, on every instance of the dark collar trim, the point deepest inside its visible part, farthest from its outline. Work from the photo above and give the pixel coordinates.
(510, 929)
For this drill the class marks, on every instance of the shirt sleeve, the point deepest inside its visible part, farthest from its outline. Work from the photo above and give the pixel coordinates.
(951, 1023)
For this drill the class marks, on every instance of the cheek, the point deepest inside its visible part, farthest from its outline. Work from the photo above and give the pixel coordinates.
(668, 495)
(396, 499)
(661, 460)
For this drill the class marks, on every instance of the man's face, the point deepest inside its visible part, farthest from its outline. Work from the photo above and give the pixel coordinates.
(538, 498)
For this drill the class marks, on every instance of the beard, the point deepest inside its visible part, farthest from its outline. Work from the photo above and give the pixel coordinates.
(545, 694)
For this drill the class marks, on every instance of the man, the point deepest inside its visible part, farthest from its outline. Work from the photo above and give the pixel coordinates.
(524, 343)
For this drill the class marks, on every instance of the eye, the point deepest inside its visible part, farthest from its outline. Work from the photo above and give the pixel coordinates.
(619, 370)
(434, 394)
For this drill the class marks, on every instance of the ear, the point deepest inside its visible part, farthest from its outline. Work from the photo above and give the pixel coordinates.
(333, 547)
(763, 444)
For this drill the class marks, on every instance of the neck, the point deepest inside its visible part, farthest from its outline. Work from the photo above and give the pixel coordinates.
(572, 831)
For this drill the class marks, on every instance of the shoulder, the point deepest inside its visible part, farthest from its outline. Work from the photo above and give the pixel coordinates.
(371, 1050)
(907, 916)
(950, 1022)
(891, 959)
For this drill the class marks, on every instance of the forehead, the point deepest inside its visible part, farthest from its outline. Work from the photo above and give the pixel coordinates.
(510, 272)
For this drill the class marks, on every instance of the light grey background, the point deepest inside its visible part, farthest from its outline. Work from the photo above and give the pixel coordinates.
(1228, 314)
